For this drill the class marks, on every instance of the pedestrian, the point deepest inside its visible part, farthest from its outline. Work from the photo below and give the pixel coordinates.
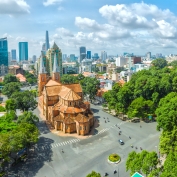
(140, 126)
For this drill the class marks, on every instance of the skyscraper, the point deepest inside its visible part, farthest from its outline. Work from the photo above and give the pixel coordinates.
(23, 51)
(88, 54)
(13, 54)
(103, 55)
(3, 55)
(3, 51)
(82, 51)
(47, 46)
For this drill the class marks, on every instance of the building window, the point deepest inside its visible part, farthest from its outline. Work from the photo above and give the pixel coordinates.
(80, 127)
(85, 127)
(66, 127)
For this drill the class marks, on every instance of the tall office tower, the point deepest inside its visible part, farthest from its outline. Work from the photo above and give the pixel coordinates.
(34, 58)
(88, 54)
(103, 56)
(72, 57)
(54, 51)
(95, 56)
(148, 55)
(64, 57)
(82, 51)
(13, 54)
(3, 56)
(23, 51)
(47, 46)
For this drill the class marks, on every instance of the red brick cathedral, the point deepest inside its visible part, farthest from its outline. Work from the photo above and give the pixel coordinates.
(63, 105)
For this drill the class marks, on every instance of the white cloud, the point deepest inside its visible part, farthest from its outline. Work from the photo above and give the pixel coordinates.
(165, 30)
(51, 2)
(65, 32)
(86, 23)
(14, 7)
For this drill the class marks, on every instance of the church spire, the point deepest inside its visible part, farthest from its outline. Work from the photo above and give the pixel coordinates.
(55, 64)
(42, 68)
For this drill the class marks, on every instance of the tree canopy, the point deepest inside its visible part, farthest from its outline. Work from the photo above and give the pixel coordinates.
(24, 100)
(159, 63)
(93, 174)
(28, 117)
(10, 88)
(10, 78)
(143, 162)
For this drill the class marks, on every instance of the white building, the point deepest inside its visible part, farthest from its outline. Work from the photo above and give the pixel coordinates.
(121, 61)
(139, 67)
(103, 56)
(27, 67)
(86, 65)
(126, 75)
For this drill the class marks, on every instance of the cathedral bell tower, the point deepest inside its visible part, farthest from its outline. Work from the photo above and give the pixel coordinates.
(56, 71)
(42, 76)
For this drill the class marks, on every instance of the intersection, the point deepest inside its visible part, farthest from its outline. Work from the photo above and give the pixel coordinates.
(81, 156)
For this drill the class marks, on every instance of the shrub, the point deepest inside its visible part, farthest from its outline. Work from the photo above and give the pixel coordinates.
(114, 157)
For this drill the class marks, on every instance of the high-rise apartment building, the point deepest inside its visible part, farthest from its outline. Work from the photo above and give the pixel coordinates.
(95, 56)
(3, 51)
(23, 51)
(3, 55)
(88, 54)
(103, 56)
(13, 54)
(34, 58)
(64, 57)
(72, 57)
(148, 55)
(82, 51)
(47, 46)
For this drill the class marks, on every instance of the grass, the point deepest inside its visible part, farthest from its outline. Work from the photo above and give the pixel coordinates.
(114, 157)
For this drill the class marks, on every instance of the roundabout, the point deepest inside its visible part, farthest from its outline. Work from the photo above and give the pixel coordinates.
(114, 158)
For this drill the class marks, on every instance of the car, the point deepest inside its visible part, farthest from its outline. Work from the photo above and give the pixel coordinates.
(121, 142)
(135, 120)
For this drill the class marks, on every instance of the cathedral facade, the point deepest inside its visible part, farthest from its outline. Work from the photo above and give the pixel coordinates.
(63, 105)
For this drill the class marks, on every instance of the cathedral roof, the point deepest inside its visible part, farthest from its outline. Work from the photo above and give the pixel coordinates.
(54, 90)
(81, 118)
(70, 110)
(52, 83)
(75, 87)
(68, 94)
(68, 120)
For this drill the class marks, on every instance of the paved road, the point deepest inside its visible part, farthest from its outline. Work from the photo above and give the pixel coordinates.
(80, 157)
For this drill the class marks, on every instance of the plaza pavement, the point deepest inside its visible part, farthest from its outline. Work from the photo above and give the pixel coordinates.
(81, 156)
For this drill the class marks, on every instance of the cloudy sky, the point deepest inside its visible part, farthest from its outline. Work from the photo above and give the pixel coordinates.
(115, 26)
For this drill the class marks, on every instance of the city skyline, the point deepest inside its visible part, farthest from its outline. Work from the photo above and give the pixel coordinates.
(113, 26)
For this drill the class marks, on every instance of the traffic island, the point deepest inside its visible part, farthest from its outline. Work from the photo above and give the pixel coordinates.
(114, 158)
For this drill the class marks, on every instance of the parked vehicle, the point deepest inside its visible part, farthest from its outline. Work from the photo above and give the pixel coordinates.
(135, 120)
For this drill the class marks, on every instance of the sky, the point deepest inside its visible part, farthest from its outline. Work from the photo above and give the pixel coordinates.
(114, 26)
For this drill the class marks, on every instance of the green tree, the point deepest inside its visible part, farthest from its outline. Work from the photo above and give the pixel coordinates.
(10, 88)
(10, 105)
(170, 168)
(24, 100)
(28, 117)
(2, 109)
(144, 162)
(166, 112)
(93, 174)
(10, 78)
(90, 86)
(68, 79)
(159, 63)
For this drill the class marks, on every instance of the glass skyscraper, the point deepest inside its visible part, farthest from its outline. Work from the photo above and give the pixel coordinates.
(82, 51)
(3, 51)
(13, 54)
(47, 45)
(88, 54)
(23, 51)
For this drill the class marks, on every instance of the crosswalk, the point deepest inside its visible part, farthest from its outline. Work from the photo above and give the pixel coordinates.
(40, 147)
(55, 145)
